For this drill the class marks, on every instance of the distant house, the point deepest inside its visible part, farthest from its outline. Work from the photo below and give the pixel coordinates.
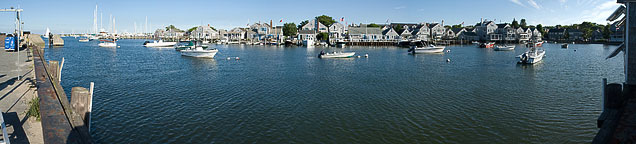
(390, 35)
(365, 34)
(510, 34)
(536, 34)
(597, 35)
(485, 29)
(236, 34)
(159, 34)
(307, 35)
(421, 33)
(523, 34)
(223, 35)
(204, 33)
(276, 33)
(174, 34)
(406, 34)
(453, 33)
(337, 31)
(617, 33)
(437, 30)
(557, 34)
(315, 26)
(575, 35)
(469, 36)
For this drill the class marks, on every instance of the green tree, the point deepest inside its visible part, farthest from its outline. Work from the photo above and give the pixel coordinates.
(192, 29)
(607, 31)
(325, 20)
(523, 23)
(173, 27)
(514, 24)
(289, 29)
(373, 25)
(398, 28)
(456, 26)
(322, 36)
(303, 23)
(540, 29)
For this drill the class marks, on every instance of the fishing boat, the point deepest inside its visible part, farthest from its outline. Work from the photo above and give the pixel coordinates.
(532, 56)
(336, 54)
(108, 43)
(487, 45)
(505, 47)
(199, 52)
(183, 45)
(565, 46)
(84, 40)
(429, 49)
(159, 43)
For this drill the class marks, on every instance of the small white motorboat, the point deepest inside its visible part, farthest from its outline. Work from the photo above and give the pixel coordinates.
(505, 48)
(336, 54)
(199, 52)
(159, 43)
(532, 56)
(108, 43)
(429, 49)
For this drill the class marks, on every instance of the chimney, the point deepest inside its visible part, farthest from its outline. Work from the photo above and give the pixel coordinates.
(482, 22)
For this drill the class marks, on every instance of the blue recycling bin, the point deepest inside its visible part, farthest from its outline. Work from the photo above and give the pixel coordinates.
(9, 44)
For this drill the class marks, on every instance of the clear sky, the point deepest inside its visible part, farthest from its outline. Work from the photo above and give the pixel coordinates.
(66, 16)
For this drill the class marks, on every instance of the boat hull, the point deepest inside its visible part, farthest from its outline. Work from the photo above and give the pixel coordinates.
(338, 55)
(110, 45)
(532, 59)
(199, 53)
(505, 48)
(163, 44)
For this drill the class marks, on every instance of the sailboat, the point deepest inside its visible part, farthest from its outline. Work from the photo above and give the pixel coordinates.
(47, 33)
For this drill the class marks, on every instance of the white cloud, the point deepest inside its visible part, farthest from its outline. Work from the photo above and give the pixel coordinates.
(534, 4)
(517, 2)
(399, 7)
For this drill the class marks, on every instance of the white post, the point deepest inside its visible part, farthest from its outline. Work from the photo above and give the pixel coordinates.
(59, 73)
(90, 105)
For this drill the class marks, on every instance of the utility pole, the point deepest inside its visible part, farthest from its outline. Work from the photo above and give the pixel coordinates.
(18, 32)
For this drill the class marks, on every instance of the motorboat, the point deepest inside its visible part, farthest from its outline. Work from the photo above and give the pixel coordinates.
(159, 43)
(336, 54)
(200, 52)
(84, 40)
(487, 45)
(108, 43)
(181, 46)
(531, 56)
(565, 46)
(505, 47)
(429, 49)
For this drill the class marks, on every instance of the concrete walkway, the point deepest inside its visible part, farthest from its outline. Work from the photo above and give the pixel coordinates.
(15, 95)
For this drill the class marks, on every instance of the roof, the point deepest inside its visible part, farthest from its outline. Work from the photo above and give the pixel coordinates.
(389, 30)
(306, 32)
(365, 30)
(556, 30)
(456, 30)
(502, 25)
(469, 33)
(432, 25)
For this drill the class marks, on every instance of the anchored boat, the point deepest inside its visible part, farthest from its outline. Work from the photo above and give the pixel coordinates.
(159, 43)
(531, 56)
(505, 48)
(200, 52)
(108, 43)
(336, 54)
(429, 49)
(487, 45)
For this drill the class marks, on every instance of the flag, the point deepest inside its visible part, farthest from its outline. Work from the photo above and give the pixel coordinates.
(342, 19)
(281, 20)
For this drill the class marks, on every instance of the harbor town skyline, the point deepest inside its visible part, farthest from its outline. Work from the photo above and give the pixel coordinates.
(78, 15)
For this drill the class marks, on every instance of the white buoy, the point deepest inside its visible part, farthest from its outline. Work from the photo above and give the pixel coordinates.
(366, 55)
(358, 56)
(228, 58)
(237, 58)
(447, 60)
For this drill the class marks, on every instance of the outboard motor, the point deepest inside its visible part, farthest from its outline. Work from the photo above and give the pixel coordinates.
(322, 52)
(412, 49)
(146, 42)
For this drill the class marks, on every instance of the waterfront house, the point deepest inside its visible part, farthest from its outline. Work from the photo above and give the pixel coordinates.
(236, 34)
(406, 34)
(437, 30)
(315, 26)
(421, 33)
(485, 29)
(523, 34)
(390, 35)
(276, 34)
(174, 34)
(469, 36)
(557, 34)
(159, 34)
(365, 34)
(536, 34)
(617, 34)
(453, 33)
(204, 33)
(307, 35)
(509, 34)
(223, 35)
(597, 35)
(575, 35)
(337, 31)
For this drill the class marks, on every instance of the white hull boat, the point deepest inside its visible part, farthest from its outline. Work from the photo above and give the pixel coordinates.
(336, 55)
(199, 52)
(531, 57)
(429, 49)
(505, 48)
(159, 43)
(107, 43)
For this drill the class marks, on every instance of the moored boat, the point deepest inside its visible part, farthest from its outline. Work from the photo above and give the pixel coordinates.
(505, 48)
(429, 49)
(531, 56)
(487, 45)
(159, 43)
(336, 54)
(108, 43)
(199, 52)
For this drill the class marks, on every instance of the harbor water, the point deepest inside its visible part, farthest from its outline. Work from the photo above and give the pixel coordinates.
(277, 94)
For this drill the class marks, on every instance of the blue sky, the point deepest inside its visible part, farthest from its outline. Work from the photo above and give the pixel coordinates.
(66, 16)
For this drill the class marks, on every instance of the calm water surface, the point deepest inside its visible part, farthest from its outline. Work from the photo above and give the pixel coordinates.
(282, 95)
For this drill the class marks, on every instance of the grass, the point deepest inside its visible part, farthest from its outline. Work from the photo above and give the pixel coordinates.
(34, 108)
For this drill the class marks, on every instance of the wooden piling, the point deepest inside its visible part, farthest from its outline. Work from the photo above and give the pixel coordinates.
(80, 102)
(54, 69)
